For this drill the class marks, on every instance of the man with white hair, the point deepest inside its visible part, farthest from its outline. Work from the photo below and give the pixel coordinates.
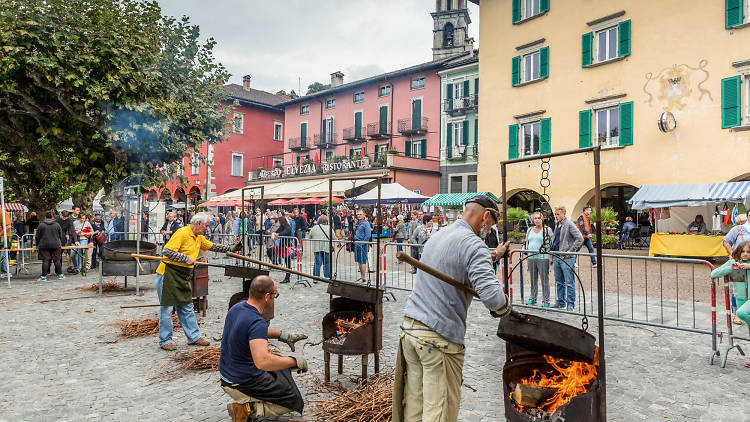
(172, 279)
(170, 226)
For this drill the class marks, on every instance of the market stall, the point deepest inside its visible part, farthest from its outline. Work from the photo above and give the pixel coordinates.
(673, 207)
(391, 193)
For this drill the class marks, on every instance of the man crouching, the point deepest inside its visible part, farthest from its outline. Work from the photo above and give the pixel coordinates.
(260, 382)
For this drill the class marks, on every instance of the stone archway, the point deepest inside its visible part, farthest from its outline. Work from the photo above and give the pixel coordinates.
(165, 195)
(179, 195)
(195, 193)
(743, 178)
(614, 195)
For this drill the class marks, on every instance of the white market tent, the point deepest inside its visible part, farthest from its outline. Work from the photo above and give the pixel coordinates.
(67, 205)
(685, 201)
(390, 193)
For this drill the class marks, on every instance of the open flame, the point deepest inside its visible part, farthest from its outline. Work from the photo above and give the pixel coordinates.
(569, 379)
(347, 325)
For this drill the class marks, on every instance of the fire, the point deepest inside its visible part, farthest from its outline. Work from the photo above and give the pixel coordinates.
(569, 379)
(347, 325)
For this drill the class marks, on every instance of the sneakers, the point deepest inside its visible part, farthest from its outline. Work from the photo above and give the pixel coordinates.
(170, 347)
(200, 342)
(42, 278)
(545, 305)
(558, 306)
(530, 302)
(61, 277)
(593, 265)
(239, 412)
(571, 309)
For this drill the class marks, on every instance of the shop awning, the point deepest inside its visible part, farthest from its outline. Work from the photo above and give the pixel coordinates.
(314, 186)
(456, 199)
(662, 196)
(391, 193)
(14, 207)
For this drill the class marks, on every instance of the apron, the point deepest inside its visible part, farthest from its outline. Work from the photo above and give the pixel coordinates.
(399, 384)
(176, 287)
(277, 387)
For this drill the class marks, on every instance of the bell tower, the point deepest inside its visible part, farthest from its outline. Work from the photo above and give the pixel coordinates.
(450, 31)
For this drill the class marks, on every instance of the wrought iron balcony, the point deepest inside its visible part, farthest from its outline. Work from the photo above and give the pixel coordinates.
(454, 106)
(413, 126)
(379, 130)
(300, 143)
(354, 134)
(329, 141)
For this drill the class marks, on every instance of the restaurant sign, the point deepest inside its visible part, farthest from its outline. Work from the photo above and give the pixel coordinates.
(308, 169)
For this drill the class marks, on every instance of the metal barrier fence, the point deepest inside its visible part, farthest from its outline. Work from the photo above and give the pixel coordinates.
(730, 336)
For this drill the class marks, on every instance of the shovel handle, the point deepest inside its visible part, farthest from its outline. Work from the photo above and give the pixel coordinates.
(435, 273)
(161, 258)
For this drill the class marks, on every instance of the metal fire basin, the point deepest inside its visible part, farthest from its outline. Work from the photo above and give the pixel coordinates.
(120, 250)
(361, 341)
(127, 268)
(520, 364)
(199, 286)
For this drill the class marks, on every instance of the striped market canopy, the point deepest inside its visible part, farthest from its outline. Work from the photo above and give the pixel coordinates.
(14, 207)
(730, 191)
(456, 199)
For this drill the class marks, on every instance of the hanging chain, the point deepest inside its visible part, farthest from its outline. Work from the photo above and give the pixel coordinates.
(544, 182)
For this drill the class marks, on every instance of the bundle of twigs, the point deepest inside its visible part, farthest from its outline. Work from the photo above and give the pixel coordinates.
(199, 359)
(134, 328)
(107, 286)
(369, 401)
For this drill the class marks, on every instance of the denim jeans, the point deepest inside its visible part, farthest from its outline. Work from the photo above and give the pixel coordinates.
(184, 313)
(565, 282)
(97, 255)
(590, 246)
(4, 263)
(399, 248)
(77, 254)
(321, 259)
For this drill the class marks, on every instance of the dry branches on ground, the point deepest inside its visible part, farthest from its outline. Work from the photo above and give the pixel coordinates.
(134, 328)
(199, 359)
(107, 286)
(367, 402)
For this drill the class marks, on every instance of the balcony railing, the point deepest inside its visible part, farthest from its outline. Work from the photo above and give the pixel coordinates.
(328, 141)
(354, 134)
(413, 126)
(379, 130)
(461, 105)
(300, 143)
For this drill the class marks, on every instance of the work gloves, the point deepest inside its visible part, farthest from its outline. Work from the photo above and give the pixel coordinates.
(505, 310)
(301, 364)
(237, 247)
(290, 339)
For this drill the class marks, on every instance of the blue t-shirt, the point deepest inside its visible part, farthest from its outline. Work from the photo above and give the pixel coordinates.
(242, 324)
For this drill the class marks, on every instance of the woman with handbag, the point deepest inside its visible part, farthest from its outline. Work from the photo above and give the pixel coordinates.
(319, 238)
(283, 247)
(738, 270)
(99, 236)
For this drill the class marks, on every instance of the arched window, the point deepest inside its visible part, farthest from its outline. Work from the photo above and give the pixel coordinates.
(448, 35)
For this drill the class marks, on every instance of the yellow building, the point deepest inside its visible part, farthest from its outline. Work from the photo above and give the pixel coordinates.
(557, 75)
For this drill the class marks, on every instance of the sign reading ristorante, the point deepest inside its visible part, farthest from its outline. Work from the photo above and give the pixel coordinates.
(307, 169)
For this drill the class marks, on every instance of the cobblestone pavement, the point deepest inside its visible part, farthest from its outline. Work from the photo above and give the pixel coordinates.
(57, 362)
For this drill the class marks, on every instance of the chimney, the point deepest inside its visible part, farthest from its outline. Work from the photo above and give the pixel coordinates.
(337, 79)
(246, 82)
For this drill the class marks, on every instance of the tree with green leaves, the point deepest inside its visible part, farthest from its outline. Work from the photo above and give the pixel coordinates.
(94, 90)
(317, 87)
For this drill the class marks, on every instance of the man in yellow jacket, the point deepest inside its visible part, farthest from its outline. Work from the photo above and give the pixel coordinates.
(172, 279)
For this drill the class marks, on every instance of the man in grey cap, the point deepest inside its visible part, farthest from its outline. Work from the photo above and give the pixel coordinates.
(431, 349)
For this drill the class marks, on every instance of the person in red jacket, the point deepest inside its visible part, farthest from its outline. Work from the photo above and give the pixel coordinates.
(584, 225)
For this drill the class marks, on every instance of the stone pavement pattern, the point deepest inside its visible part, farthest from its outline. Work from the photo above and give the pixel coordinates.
(57, 364)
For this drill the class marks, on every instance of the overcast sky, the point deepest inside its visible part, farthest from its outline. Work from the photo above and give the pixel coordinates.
(279, 41)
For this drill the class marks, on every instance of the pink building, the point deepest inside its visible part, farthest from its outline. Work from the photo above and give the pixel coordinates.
(392, 119)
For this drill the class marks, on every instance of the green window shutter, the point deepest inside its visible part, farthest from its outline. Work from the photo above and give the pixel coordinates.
(407, 149)
(465, 140)
(416, 114)
(476, 86)
(623, 48)
(733, 14)
(544, 62)
(476, 134)
(449, 141)
(543, 6)
(466, 88)
(358, 124)
(323, 131)
(584, 129)
(516, 10)
(731, 102)
(587, 41)
(545, 141)
(512, 142)
(424, 148)
(449, 95)
(383, 122)
(516, 74)
(626, 124)
(303, 134)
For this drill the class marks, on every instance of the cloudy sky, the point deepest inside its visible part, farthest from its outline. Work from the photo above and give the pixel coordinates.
(279, 41)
